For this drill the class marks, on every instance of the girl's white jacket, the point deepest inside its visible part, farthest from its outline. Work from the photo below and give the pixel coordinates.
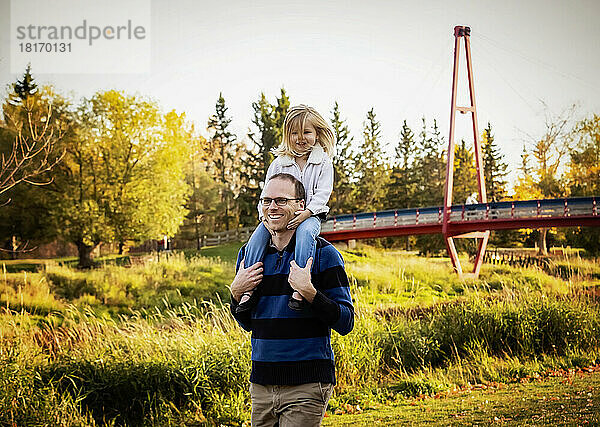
(317, 178)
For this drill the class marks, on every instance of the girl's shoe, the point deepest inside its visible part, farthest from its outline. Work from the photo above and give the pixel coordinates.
(248, 304)
(297, 305)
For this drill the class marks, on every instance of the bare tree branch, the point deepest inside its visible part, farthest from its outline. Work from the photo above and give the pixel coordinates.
(32, 153)
(20, 249)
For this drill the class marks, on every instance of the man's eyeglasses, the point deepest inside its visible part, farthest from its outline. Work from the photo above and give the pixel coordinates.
(279, 201)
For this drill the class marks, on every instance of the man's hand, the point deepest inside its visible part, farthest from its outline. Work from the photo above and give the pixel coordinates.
(246, 279)
(299, 279)
(297, 220)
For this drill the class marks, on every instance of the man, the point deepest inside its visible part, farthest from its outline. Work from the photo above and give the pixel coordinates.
(293, 371)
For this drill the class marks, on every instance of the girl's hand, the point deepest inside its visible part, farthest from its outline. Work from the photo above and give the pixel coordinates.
(300, 216)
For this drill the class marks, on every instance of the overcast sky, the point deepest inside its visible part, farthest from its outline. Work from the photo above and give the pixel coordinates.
(395, 56)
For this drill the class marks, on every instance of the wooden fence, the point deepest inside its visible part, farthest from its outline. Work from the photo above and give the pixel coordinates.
(219, 238)
(526, 257)
(513, 259)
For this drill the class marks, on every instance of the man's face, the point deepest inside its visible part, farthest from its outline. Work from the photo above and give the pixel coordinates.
(278, 216)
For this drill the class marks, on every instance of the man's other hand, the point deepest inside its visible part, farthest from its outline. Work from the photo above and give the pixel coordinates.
(300, 280)
(246, 279)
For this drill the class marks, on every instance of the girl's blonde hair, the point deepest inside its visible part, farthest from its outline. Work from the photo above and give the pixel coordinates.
(296, 119)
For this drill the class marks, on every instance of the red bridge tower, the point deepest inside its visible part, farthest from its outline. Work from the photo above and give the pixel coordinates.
(482, 237)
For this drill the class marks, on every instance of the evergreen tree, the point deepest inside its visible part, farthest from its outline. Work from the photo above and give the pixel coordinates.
(402, 181)
(401, 188)
(429, 168)
(524, 166)
(465, 175)
(494, 168)
(439, 153)
(371, 168)
(280, 110)
(268, 120)
(405, 146)
(341, 200)
(23, 89)
(495, 173)
(429, 172)
(222, 143)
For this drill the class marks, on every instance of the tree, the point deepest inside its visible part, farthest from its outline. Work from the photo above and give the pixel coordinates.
(371, 169)
(268, 119)
(549, 153)
(429, 168)
(494, 168)
(222, 143)
(401, 187)
(204, 203)
(30, 133)
(23, 89)
(341, 200)
(583, 177)
(429, 171)
(202, 206)
(525, 187)
(583, 174)
(465, 175)
(402, 183)
(495, 174)
(439, 162)
(465, 184)
(122, 177)
(35, 122)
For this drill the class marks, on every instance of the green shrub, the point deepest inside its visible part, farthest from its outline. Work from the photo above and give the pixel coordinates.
(517, 327)
(128, 392)
(120, 289)
(29, 293)
(26, 402)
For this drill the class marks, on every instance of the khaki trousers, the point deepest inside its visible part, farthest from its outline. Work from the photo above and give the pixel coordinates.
(289, 405)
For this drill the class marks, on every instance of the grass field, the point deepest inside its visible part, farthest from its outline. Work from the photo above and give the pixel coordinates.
(564, 399)
(154, 343)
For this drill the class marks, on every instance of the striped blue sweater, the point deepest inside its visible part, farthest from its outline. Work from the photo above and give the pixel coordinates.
(291, 347)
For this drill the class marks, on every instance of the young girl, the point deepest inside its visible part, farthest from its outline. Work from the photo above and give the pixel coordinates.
(305, 152)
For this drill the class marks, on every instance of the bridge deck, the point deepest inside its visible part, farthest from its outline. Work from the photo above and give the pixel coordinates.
(580, 211)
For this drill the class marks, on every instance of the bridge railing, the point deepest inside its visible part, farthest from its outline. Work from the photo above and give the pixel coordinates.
(523, 209)
(544, 208)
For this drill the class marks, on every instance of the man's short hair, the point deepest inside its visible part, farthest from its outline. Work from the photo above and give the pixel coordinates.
(298, 187)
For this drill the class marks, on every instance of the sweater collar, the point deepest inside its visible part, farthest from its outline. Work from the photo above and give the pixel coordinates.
(315, 156)
(291, 246)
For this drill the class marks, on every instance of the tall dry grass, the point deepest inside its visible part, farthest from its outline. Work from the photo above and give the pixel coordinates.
(168, 358)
